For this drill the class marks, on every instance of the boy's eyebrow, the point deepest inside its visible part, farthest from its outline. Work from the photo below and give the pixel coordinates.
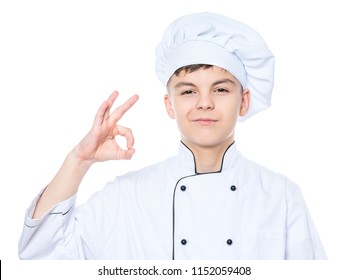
(182, 84)
(224, 81)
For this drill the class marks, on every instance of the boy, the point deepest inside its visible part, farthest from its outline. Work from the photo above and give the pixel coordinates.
(208, 202)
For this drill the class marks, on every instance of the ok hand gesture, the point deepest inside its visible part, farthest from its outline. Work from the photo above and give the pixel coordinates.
(100, 143)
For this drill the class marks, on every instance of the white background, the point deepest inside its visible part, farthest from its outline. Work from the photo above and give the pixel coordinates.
(60, 59)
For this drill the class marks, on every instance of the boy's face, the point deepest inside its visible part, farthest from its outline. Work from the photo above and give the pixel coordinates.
(206, 105)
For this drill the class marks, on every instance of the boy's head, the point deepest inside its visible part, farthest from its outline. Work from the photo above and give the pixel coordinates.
(206, 102)
(199, 41)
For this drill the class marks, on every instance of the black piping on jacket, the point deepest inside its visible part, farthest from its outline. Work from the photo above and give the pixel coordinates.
(174, 192)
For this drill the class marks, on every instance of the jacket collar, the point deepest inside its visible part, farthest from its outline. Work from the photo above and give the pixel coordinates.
(187, 159)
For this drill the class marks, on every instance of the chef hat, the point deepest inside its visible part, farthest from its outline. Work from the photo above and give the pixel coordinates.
(207, 38)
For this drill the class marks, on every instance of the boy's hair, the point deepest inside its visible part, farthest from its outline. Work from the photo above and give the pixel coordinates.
(191, 68)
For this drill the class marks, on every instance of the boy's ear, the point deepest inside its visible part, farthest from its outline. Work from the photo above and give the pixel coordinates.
(245, 102)
(169, 108)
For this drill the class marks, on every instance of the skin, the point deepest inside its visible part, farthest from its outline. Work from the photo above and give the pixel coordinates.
(98, 145)
(206, 105)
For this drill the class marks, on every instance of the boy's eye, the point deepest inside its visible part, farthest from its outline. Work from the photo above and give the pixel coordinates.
(221, 90)
(187, 92)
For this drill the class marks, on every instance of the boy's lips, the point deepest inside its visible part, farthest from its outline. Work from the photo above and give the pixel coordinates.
(205, 121)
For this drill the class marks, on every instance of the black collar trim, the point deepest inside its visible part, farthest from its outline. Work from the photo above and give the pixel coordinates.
(221, 167)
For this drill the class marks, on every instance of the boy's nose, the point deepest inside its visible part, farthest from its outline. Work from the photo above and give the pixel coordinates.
(205, 102)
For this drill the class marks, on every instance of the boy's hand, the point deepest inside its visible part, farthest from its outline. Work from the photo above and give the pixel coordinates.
(100, 143)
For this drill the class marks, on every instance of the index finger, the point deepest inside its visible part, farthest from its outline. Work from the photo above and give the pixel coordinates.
(122, 109)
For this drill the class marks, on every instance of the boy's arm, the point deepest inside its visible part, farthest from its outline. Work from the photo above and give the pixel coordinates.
(98, 145)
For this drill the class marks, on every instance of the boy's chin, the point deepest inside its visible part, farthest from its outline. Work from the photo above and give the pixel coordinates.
(207, 143)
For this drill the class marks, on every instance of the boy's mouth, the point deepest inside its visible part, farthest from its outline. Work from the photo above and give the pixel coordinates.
(205, 121)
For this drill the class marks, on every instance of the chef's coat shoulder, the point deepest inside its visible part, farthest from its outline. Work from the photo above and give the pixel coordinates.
(269, 180)
(154, 171)
(155, 177)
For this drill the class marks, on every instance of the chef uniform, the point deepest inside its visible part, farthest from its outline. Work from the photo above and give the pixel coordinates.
(169, 210)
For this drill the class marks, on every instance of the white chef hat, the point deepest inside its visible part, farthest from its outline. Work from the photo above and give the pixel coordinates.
(207, 38)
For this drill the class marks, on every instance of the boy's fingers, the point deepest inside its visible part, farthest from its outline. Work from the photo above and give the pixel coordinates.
(127, 154)
(127, 133)
(99, 117)
(122, 109)
(105, 108)
(110, 102)
(129, 151)
(112, 97)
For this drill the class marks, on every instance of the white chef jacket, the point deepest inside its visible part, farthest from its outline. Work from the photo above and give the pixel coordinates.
(169, 211)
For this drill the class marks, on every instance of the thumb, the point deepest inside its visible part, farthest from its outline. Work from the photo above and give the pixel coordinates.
(125, 154)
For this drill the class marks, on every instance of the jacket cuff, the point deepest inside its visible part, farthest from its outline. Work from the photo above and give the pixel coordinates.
(61, 208)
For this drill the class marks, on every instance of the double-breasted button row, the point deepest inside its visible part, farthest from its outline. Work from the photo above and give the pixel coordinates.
(232, 188)
(184, 242)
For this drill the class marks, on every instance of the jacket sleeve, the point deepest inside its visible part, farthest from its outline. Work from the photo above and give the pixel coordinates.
(69, 232)
(46, 237)
(302, 240)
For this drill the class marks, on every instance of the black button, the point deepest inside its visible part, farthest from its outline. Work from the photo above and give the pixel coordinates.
(229, 242)
(233, 188)
(183, 242)
(183, 188)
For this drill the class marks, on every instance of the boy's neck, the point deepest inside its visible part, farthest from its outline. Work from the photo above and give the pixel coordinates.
(208, 159)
